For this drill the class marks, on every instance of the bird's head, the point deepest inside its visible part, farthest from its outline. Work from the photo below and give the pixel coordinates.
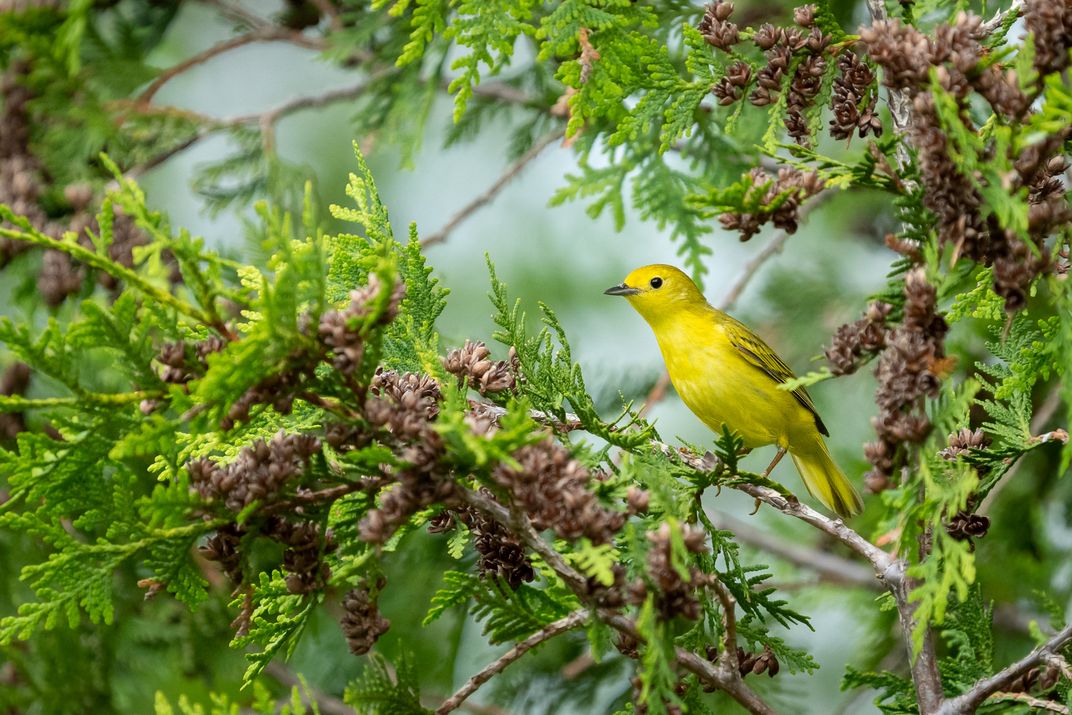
(658, 291)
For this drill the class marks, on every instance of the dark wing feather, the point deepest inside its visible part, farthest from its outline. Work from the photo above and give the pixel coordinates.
(759, 354)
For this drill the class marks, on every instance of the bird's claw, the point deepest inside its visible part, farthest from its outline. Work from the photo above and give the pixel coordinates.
(758, 504)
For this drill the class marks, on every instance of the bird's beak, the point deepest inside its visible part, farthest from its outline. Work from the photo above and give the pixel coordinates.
(621, 289)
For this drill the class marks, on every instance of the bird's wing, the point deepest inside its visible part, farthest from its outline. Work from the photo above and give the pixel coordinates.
(760, 355)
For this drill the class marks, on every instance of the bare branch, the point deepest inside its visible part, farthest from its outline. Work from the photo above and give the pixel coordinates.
(728, 658)
(261, 34)
(1029, 700)
(238, 14)
(549, 631)
(899, 100)
(969, 701)
(492, 191)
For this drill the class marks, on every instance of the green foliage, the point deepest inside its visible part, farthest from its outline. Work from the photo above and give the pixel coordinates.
(386, 690)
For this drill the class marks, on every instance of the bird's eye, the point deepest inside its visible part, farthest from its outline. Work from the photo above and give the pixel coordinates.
(656, 282)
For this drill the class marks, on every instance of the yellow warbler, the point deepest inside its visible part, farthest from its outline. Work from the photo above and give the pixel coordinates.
(728, 376)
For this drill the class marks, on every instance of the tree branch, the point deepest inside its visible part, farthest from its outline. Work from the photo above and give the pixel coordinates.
(968, 702)
(492, 191)
(999, 18)
(499, 664)
(266, 33)
(898, 100)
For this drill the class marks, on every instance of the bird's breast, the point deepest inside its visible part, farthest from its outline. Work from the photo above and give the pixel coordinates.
(721, 388)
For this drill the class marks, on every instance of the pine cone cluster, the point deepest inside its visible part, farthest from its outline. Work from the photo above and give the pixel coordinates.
(224, 547)
(501, 554)
(552, 487)
(342, 331)
(176, 359)
(471, 365)
(674, 596)
(804, 47)
(909, 370)
(362, 623)
(854, 98)
(963, 442)
(962, 66)
(781, 199)
(965, 526)
(863, 338)
(259, 472)
(23, 186)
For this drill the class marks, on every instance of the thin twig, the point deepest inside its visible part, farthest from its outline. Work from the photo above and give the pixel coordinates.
(899, 100)
(549, 631)
(328, 704)
(970, 700)
(261, 34)
(492, 191)
(728, 658)
(1029, 700)
(999, 18)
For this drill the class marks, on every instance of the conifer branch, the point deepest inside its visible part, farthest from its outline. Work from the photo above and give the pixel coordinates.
(19, 403)
(573, 620)
(1000, 17)
(830, 567)
(105, 265)
(1030, 701)
(970, 700)
(492, 191)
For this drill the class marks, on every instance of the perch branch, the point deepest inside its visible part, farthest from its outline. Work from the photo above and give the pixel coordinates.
(999, 18)
(492, 191)
(549, 631)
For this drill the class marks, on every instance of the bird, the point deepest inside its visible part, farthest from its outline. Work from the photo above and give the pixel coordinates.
(728, 377)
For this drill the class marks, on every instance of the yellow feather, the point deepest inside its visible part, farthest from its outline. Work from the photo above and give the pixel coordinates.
(728, 376)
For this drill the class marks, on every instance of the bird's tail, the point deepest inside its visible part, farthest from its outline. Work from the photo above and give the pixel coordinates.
(824, 479)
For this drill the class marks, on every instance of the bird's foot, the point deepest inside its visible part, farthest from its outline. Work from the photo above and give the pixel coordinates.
(774, 462)
(759, 503)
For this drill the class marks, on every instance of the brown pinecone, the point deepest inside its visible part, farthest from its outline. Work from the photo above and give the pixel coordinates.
(362, 623)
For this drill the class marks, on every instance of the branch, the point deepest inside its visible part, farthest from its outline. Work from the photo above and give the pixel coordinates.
(497, 666)
(264, 33)
(728, 659)
(999, 18)
(899, 100)
(492, 191)
(327, 704)
(970, 700)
